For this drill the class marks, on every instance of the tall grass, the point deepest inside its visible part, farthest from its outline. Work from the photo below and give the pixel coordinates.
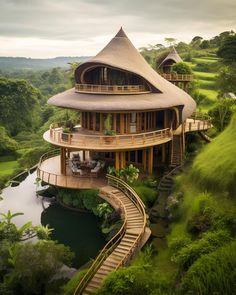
(214, 273)
(215, 167)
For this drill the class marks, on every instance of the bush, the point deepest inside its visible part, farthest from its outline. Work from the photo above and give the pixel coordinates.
(181, 68)
(214, 273)
(147, 194)
(188, 253)
(70, 287)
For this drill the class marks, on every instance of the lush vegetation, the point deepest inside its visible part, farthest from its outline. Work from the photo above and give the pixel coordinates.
(29, 268)
(200, 258)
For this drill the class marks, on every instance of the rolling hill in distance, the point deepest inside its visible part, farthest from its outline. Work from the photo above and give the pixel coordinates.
(23, 63)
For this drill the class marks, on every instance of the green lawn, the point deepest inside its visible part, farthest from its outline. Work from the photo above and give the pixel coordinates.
(211, 94)
(204, 60)
(7, 166)
(205, 75)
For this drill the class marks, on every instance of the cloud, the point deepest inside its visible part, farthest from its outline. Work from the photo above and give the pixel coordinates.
(92, 21)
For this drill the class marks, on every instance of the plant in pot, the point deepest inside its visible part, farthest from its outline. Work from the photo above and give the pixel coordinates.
(65, 134)
(108, 131)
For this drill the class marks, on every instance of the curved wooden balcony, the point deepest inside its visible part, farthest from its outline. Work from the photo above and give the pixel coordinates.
(111, 89)
(49, 171)
(87, 140)
(177, 77)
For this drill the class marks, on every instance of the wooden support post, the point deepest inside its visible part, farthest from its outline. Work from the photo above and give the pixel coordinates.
(63, 161)
(94, 121)
(150, 160)
(121, 123)
(163, 153)
(83, 156)
(117, 160)
(144, 160)
(122, 159)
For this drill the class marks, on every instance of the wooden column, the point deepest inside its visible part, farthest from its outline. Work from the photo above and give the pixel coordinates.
(83, 156)
(121, 123)
(163, 153)
(88, 120)
(122, 159)
(117, 160)
(94, 121)
(144, 160)
(63, 161)
(150, 160)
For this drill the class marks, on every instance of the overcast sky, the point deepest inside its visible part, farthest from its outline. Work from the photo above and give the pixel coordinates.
(50, 28)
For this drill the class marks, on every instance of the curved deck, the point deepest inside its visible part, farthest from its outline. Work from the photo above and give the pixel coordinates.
(49, 171)
(94, 141)
(131, 237)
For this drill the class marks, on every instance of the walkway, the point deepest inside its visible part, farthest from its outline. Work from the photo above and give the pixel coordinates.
(132, 236)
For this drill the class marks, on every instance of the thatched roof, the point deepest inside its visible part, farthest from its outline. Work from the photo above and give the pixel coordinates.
(173, 56)
(121, 54)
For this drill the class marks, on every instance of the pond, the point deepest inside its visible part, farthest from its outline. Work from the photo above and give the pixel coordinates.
(78, 230)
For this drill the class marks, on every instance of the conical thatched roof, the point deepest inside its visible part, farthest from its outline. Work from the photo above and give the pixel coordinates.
(173, 55)
(121, 54)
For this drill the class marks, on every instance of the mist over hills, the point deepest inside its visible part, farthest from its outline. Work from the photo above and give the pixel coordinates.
(23, 63)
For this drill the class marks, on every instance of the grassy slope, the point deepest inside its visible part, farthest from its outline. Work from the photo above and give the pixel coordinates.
(7, 166)
(214, 170)
(205, 79)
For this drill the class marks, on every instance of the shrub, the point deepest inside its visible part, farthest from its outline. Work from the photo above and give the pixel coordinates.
(70, 287)
(181, 68)
(191, 252)
(214, 273)
(147, 194)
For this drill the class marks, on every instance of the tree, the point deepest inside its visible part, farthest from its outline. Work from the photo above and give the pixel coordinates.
(170, 41)
(181, 68)
(221, 112)
(205, 44)
(7, 144)
(19, 104)
(227, 50)
(226, 80)
(35, 265)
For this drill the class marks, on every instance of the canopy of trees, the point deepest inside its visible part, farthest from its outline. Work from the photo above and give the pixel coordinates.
(19, 104)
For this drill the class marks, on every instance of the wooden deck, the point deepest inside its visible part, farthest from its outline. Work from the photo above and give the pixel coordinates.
(132, 235)
(49, 171)
(193, 125)
(87, 140)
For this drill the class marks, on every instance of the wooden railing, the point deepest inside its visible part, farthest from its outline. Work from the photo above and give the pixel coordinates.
(111, 89)
(45, 176)
(98, 141)
(200, 121)
(177, 77)
(110, 246)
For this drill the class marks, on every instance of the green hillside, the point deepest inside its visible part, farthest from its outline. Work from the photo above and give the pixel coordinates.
(205, 72)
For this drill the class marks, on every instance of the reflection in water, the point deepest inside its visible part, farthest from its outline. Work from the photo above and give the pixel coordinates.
(78, 230)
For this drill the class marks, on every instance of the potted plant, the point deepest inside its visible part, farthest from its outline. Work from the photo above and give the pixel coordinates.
(108, 131)
(65, 134)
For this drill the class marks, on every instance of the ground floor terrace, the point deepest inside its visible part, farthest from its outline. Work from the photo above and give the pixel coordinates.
(88, 169)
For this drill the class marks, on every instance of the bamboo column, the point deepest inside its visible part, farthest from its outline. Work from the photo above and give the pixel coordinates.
(117, 160)
(63, 161)
(150, 160)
